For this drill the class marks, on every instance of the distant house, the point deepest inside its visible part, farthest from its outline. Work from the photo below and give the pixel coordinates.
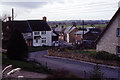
(58, 29)
(109, 40)
(90, 37)
(61, 35)
(55, 37)
(78, 36)
(92, 34)
(69, 33)
(35, 32)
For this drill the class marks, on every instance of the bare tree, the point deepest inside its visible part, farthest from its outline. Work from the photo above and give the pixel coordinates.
(4, 17)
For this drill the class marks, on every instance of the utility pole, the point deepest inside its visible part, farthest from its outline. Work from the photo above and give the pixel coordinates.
(12, 14)
(83, 28)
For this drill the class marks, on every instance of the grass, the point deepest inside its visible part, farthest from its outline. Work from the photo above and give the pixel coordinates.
(24, 65)
(31, 66)
(33, 49)
(88, 55)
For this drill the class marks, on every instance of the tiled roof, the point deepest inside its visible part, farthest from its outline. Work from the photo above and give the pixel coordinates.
(30, 25)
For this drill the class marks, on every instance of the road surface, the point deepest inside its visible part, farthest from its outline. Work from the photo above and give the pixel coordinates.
(71, 66)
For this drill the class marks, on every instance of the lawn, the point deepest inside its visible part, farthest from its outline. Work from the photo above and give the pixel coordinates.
(25, 65)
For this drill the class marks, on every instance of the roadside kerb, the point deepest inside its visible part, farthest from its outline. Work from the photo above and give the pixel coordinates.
(107, 66)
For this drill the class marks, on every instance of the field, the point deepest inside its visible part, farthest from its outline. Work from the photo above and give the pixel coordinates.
(96, 25)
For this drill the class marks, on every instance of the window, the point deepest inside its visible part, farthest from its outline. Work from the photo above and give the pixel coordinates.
(43, 32)
(29, 34)
(118, 31)
(36, 33)
(36, 40)
(118, 49)
(44, 38)
(43, 41)
(37, 37)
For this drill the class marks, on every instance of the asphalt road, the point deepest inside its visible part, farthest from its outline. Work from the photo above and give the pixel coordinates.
(72, 66)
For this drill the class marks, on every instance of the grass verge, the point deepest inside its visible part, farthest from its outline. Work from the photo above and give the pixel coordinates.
(33, 49)
(24, 65)
(87, 55)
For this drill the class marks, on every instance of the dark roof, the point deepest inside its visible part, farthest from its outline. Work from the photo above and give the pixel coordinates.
(29, 25)
(21, 26)
(92, 34)
(55, 33)
(39, 25)
(111, 21)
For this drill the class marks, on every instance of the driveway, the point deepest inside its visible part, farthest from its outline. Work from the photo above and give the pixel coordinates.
(72, 66)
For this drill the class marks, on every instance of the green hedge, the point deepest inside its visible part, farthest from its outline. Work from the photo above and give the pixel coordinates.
(104, 56)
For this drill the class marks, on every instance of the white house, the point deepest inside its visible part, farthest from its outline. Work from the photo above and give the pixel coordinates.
(35, 32)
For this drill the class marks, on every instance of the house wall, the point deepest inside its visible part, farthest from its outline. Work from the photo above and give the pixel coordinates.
(47, 37)
(68, 38)
(71, 36)
(109, 40)
(78, 38)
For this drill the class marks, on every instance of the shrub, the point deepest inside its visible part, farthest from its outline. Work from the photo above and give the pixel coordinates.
(17, 47)
(104, 56)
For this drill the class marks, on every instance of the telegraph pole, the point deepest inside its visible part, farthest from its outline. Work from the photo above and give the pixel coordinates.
(83, 28)
(12, 14)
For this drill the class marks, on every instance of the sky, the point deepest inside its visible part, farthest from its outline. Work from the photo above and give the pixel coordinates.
(56, 10)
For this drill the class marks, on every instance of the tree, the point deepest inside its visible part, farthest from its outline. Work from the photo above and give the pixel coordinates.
(17, 47)
(4, 17)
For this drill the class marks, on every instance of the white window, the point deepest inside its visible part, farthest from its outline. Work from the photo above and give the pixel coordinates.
(43, 32)
(29, 34)
(44, 40)
(36, 40)
(118, 31)
(36, 33)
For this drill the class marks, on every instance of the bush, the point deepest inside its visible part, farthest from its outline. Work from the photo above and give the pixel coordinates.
(104, 56)
(17, 47)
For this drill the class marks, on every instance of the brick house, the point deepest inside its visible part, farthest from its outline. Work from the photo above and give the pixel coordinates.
(78, 36)
(69, 34)
(109, 40)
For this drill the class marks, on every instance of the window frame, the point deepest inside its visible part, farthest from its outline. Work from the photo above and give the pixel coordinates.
(118, 49)
(43, 32)
(118, 32)
(43, 40)
(36, 32)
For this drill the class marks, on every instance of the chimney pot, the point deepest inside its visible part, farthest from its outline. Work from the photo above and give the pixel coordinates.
(45, 18)
(9, 18)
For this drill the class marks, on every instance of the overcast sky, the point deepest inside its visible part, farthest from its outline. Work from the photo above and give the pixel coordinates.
(60, 9)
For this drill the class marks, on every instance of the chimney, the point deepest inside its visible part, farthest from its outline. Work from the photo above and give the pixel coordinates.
(44, 18)
(9, 18)
(12, 14)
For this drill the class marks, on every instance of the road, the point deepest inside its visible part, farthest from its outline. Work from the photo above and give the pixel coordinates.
(71, 66)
